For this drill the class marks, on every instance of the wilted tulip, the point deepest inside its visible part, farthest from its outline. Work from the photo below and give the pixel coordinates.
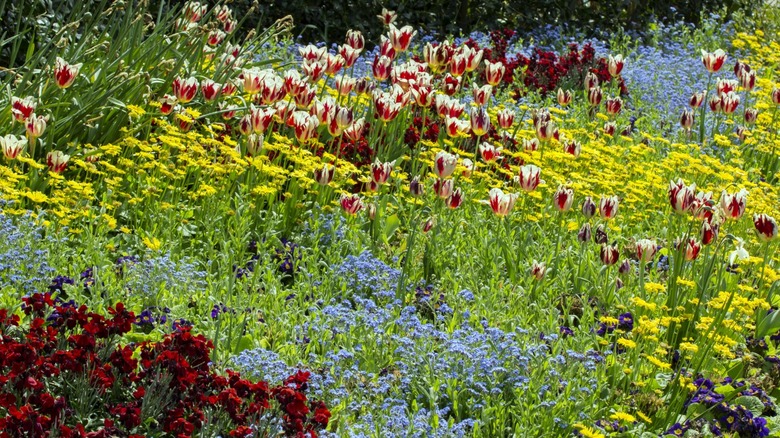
(416, 188)
(501, 202)
(608, 207)
(352, 204)
(563, 198)
(57, 161)
(588, 207)
(64, 73)
(529, 177)
(585, 233)
(609, 254)
(766, 227)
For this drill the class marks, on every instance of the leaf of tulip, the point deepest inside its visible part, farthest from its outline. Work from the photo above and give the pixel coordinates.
(768, 326)
(391, 225)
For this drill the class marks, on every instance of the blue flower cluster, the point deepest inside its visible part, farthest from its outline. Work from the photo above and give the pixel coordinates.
(23, 258)
(367, 275)
(150, 277)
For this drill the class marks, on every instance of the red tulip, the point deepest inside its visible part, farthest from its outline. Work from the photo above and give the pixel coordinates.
(681, 197)
(615, 65)
(185, 89)
(609, 254)
(713, 61)
(733, 205)
(709, 232)
(380, 172)
(529, 177)
(692, 249)
(501, 202)
(766, 227)
(57, 161)
(608, 207)
(64, 73)
(352, 204)
(494, 72)
(563, 198)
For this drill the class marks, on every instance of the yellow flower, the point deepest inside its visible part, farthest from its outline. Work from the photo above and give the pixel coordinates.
(622, 416)
(644, 417)
(628, 343)
(588, 432)
(659, 363)
(655, 288)
(153, 243)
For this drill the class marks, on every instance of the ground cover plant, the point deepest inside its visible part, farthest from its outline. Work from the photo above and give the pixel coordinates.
(213, 232)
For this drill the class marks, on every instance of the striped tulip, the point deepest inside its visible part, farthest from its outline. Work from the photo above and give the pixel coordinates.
(185, 89)
(529, 177)
(766, 227)
(64, 73)
(563, 198)
(324, 175)
(351, 204)
(494, 72)
(681, 197)
(733, 205)
(615, 65)
(692, 249)
(501, 202)
(57, 161)
(713, 61)
(444, 164)
(645, 250)
(12, 145)
(608, 207)
(380, 172)
(609, 254)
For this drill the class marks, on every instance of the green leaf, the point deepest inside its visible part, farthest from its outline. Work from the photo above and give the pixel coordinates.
(725, 390)
(753, 404)
(244, 343)
(391, 225)
(30, 50)
(769, 325)
(695, 410)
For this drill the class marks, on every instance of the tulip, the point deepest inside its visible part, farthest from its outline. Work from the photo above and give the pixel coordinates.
(591, 81)
(443, 188)
(349, 55)
(254, 144)
(608, 207)
(489, 152)
(506, 117)
(12, 145)
(713, 61)
(588, 207)
(305, 126)
(741, 132)
(609, 254)
(423, 95)
(686, 119)
(22, 109)
(284, 112)
(273, 90)
(167, 104)
(311, 53)
(380, 172)
(57, 161)
(364, 86)
(733, 205)
(615, 65)
(387, 17)
(416, 188)
(245, 125)
(776, 96)
(333, 63)
(709, 232)
(692, 249)
(610, 128)
(614, 105)
(371, 211)
(451, 84)
(625, 267)
(601, 235)
(458, 64)
(697, 99)
(529, 177)
(210, 89)
(740, 67)
(386, 109)
(455, 199)
(494, 72)
(545, 130)
(354, 131)
(681, 197)
(563, 198)
(448, 107)
(261, 118)
(215, 37)
(401, 38)
(564, 97)
(481, 94)
(501, 202)
(538, 270)
(751, 115)
(35, 125)
(584, 234)
(324, 175)
(716, 104)
(352, 204)
(725, 86)
(473, 58)
(480, 121)
(747, 79)
(428, 225)
(455, 127)
(572, 147)
(468, 167)
(185, 89)
(594, 96)
(64, 73)
(313, 71)
(185, 122)
(193, 11)
(530, 144)
(645, 250)
(766, 227)
(355, 39)
(381, 68)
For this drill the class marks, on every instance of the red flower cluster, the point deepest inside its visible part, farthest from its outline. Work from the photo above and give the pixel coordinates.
(67, 368)
(545, 71)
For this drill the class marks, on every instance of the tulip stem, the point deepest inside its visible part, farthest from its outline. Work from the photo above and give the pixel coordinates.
(703, 108)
